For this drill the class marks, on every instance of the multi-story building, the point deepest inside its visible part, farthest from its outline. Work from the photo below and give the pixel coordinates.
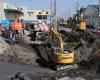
(38, 15)
(91, 16)
(10, 11)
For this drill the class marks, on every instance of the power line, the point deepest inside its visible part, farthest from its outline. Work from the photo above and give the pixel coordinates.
(78, 3)
(81, 2)
(88, 2)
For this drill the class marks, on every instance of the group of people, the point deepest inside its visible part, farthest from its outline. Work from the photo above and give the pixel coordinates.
(12, 35)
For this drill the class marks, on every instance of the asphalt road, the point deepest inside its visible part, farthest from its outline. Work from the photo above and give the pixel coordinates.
(7, 70)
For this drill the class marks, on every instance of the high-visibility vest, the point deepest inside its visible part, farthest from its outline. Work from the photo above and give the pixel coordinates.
(16, 26)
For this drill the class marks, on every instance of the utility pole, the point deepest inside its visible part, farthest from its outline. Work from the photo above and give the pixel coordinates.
(54, 7)
(69, 14)
(77, 8)
(51, 13)
(65, 14)
(54, 20)
(77, 5)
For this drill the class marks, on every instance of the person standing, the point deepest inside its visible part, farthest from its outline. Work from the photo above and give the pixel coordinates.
(23, 27)
(10, 37)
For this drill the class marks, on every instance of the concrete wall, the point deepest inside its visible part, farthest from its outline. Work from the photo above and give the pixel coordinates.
(2, 14)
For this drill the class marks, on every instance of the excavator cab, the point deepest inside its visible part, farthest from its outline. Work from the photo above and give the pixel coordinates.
(79, 25)
(82, 25)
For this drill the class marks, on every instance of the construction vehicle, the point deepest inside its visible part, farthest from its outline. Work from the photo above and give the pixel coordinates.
(60, 55)
(80, 25)
(56, 52)
(77, 25)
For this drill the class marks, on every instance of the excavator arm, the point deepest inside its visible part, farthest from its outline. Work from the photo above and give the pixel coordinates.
(56, 36)
(59, 54)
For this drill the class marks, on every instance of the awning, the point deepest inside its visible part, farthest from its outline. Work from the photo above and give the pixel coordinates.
(12, 10)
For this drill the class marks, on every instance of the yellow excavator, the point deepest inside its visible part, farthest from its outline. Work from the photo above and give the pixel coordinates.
(77, 25)
(60, 55)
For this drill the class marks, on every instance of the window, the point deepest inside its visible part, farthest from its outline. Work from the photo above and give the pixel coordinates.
(47, 12)
(42, 17)
(84, 17)
(39, 16)
(93, 16)
(88, 16)
(39, 12)
(30, 14)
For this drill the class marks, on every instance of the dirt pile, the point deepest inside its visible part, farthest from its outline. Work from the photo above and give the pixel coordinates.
(19, 53)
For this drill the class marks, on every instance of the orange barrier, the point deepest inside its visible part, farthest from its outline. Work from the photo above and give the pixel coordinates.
(16, 26)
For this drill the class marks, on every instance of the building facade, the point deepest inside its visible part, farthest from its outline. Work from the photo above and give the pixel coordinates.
(2, 14)
(91, 16)
(38, 15)
(11, 11)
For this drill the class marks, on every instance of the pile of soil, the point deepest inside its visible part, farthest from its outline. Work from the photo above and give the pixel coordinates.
(21, 53)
